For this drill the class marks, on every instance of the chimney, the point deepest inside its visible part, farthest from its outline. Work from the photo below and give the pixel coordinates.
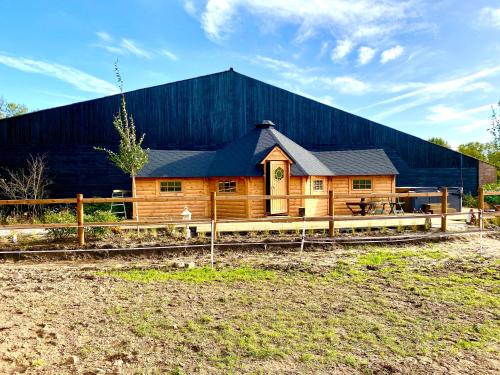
(264, 124)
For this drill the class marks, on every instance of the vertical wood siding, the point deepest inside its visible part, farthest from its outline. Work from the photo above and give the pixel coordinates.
(206, 112)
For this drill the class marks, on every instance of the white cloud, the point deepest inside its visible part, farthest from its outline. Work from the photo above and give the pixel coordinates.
(190, 8)
(428, 92)
(169, 55)
(343, 48)
(348, 85)
(290, 71)
(490, 16)
(81, 80)
(363, 19)
(391, 54)
(125, 46)
(130, 46)
(365, 55)
(104, 36)
(473, 126)
(217, 18)
(443, 113)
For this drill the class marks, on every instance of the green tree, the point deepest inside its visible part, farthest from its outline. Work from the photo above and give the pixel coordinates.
(475, 149)
(131, 157)
(439, 141)
(495, 126)
(9, 109)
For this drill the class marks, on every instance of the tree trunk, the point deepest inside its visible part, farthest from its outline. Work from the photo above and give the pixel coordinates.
(135, 212)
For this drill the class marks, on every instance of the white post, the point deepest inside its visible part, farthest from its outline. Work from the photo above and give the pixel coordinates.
(480, 229)
(303, 235)
(212, 236)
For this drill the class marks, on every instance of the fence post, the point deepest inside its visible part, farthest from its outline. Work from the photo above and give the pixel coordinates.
(331, 213)
(213, 211)
(480, 204)
(444, 208)
(79, 219)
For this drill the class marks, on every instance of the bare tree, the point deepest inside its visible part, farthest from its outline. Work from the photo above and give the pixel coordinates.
(27, 183)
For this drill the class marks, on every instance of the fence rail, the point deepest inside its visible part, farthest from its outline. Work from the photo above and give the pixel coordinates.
(213, 198)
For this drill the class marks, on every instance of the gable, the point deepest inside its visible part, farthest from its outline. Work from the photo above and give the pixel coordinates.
(276, 154)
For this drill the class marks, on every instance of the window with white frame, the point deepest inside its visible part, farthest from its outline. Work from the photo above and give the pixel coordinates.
(227, 187)
(170, 186)
(362, 184)
(318, 185)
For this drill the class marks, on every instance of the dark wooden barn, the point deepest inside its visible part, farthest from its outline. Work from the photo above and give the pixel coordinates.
(204, 113)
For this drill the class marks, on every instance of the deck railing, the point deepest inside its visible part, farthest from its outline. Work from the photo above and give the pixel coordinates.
(213, 198)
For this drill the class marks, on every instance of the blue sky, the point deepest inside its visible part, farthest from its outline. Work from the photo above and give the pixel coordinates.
(430, 68)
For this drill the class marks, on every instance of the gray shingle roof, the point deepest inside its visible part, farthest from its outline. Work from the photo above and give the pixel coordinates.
(357, 162)
(177, 163)
(242, 158)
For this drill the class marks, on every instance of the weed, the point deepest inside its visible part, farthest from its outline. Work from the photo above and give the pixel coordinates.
(38, 362)
(196, 275)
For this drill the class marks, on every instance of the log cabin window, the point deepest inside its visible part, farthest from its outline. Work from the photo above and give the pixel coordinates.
(361, 184)
(318, 185)
(170, 186)
(227, 187)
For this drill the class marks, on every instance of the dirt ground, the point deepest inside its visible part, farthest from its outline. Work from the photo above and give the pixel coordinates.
(414, 309)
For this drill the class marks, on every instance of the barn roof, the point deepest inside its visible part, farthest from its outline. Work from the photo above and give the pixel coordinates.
(243, 156)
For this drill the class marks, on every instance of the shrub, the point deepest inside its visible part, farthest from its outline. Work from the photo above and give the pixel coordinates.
(65, 216)
(469, 201)
(68, 216)
(492, 200)
(99, 216)
(90, 208)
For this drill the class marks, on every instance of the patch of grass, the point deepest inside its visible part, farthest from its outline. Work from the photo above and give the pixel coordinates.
(195, 275)
(378, 302)
(38, 362)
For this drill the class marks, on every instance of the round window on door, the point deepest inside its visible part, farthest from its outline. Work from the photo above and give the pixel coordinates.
(279, 173)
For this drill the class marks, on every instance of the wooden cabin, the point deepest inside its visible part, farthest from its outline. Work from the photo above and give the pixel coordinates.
(263, 162)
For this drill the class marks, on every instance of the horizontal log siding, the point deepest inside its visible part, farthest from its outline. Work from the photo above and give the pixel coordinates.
(256, 187)
(232, 208)
(316, 207)
(343, 185)
(296, 188)
(147, 187)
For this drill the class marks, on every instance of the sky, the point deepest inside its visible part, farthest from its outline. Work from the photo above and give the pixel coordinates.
(429, 68)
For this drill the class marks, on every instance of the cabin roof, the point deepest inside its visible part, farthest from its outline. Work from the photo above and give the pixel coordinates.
(357, 162)
(242, 157)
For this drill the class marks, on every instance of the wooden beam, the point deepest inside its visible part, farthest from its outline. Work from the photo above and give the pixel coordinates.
(331, 213)
(485, 193)
(444, 208)
(79, 219)
(213, 211)
(480, 205)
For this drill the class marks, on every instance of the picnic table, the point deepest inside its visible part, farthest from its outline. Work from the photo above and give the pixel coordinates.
(365, 207)
(371, 207)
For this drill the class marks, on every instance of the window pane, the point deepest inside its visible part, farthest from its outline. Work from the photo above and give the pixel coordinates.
(361, 184)
(227, 187)
(170, 186)
(318, 185)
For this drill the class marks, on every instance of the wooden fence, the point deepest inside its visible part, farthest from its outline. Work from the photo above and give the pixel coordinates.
(213, 198)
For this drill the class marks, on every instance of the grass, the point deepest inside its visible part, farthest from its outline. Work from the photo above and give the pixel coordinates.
(195, 275)
(379, 303)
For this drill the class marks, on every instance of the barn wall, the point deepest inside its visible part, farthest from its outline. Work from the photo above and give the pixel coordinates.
(206, 112)
(487, 174)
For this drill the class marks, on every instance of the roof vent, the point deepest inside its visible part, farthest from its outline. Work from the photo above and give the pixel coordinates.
(265, 124)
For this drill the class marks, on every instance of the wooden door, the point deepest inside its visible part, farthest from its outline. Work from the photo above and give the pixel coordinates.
(278, 181)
